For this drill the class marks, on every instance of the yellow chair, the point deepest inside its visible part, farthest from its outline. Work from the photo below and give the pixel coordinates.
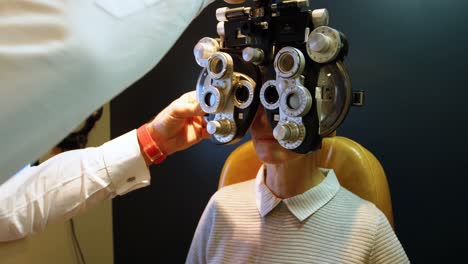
(356, 168)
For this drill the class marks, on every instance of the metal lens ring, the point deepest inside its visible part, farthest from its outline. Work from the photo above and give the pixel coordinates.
(269, 96)
(296, 101)
(211, 100)
(243, 94)
(220, 65)
(289, 62)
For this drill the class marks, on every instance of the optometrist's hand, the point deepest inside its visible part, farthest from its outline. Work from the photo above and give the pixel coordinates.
(180, 125)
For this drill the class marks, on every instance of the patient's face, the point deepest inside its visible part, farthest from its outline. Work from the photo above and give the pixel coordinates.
(267, 148)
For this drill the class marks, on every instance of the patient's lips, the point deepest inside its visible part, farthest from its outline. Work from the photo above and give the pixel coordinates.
(265, 138)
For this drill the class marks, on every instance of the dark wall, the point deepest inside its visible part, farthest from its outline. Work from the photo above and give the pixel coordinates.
(409, 56)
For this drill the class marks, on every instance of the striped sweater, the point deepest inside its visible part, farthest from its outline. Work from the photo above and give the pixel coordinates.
(246, 223)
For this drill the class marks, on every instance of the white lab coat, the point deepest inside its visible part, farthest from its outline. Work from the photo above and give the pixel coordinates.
(62, 59)
(69, 183)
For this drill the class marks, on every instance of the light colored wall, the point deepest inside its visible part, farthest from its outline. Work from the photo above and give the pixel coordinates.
(55, 244)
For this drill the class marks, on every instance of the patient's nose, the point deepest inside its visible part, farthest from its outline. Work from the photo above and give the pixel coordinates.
(261, 120)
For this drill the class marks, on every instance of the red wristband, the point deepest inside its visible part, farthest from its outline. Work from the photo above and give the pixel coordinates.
(151, 149)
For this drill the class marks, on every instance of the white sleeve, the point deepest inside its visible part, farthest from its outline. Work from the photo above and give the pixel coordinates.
(69, 183)
(62, 59)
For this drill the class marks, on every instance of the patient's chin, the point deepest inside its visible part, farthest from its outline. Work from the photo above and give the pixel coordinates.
(271, 152)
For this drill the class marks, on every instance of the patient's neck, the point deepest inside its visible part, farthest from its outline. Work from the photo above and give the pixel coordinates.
(294, 177)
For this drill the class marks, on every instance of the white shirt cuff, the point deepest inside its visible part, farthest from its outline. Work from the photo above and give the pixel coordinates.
(125, 165)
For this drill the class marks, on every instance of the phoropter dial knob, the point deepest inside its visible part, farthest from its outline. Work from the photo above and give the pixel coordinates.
(320, 17)
(221, 127)
(287, 132)
(253, 55)
(324, 44)
(204, 49)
